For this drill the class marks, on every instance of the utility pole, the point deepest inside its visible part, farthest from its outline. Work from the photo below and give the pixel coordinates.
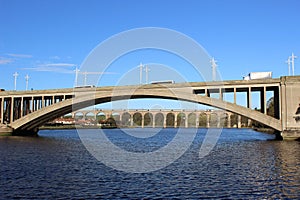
(76, 76)
(141, 74)
(85, 77)
(293, 57)
(214, 68)
(15, 75)
(147, 71)
(26, 78)
(289, 64)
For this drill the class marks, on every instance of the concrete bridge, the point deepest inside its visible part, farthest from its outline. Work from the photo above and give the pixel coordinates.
(25, 111)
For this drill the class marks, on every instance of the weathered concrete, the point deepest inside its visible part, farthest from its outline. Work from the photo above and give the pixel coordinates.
(290, 107)
(290, 135)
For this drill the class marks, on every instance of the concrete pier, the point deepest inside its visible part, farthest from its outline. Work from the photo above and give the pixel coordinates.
(291, 135)
(5, 130)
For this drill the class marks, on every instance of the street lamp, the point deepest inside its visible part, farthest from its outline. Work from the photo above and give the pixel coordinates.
(15, 76)
(27, 79)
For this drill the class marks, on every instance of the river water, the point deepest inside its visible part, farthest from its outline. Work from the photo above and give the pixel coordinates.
(243, 165)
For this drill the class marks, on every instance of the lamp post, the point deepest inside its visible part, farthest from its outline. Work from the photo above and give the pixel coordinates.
(289, 64)
(214, 68)
(141, 74)
(76, 76)
(293, 57)
(27, 79)
(15, 76)
(147, 72)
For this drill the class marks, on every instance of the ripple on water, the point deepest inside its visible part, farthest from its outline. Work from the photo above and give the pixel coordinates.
(243, 165)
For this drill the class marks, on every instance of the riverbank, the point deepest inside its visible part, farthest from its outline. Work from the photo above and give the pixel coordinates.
(61, 127)
(73, 126)
(265, 130)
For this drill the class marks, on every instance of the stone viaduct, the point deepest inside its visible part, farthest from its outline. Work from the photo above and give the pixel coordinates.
(166, 118)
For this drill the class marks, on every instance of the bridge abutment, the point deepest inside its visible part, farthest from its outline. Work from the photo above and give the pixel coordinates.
(290, 107)
(5, 130)
(289, 135)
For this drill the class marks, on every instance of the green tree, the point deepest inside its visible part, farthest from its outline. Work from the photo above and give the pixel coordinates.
(148, 119)
(202, 120)
(181, 120)
(270, 107)
(111, 121)
(170, 120)
(137, 119)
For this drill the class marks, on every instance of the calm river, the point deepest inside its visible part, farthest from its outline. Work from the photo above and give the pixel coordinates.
(243, 165)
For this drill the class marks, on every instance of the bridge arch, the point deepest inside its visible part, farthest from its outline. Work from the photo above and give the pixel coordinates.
(159, 120)
(100, 116)
(214, 120)
(192, 119)
(148, 119)
(202, 120)
(126, 119)
(116, 116)
(90, 116)
(82, 100)
(79, 115)
(181, 119)
(138, 119)
(170, 120)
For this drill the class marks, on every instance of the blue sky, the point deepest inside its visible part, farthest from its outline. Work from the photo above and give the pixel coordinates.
(48, 39)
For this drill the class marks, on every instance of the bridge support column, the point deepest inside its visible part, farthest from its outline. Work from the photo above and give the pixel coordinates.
(131, 120)
(290, 107)
(32, 105)
(234, 95)
(22, 107)
(165, 121)
(221, 94)
(186, 119)
(229, 121)
(239, 125)
(249, 103)
(207, 120)
(153, 121)
(218, 120)
(11, 110)
(42, 102)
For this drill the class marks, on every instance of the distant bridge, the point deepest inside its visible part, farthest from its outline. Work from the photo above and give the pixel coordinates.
(156, 118)
(25, 111)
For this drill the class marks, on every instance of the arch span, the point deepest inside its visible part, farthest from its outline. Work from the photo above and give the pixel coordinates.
(82, 100)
